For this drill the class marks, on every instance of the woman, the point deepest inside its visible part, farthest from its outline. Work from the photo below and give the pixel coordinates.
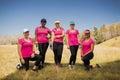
(72, 43)
(57, 40)
(41, 36)
(26, 51)
(87, 47)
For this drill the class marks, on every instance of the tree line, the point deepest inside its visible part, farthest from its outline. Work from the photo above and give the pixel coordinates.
(100, 35)
(106, 32)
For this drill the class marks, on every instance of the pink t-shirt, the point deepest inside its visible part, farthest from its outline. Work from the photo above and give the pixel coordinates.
(86, 46)
(41, 35)
(56, 33)
(72, 37)
(27, 47)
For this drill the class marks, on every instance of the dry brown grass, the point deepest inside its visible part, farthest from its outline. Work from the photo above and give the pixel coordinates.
(103, 55)
(114, 42)
(8, 59)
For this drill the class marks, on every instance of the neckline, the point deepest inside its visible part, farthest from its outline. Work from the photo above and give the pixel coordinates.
(87, 40)
(42, 28)
(72, 31)
(26, 40)
(58, 29)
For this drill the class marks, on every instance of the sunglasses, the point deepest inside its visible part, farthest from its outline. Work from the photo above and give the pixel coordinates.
(87, 33)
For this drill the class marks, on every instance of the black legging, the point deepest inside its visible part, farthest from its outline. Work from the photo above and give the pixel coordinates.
(42, 50)
(36, 58)
(73, 50)
(86, 59)
(57, 49)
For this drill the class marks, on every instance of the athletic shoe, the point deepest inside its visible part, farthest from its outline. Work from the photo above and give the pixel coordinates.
(70, 67)
(98, 65)
(34, 69)
(40, 67)
(18, 66)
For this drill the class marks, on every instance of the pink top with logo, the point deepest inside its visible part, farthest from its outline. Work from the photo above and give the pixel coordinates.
(72, 37)
(27, 47)
(41, 34)
(86, 46)
(58, 32)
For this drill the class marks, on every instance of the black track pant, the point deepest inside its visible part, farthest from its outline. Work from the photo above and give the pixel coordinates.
(42, 47)
(37, 58)
(73, 50)
(87, 58)
(57, 49)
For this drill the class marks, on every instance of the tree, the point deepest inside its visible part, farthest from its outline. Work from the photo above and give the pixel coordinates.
(103, 31)
(97, 36)
(118, 29)
(112, 31)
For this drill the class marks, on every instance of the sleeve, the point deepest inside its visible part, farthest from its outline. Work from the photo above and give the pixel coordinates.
(48, 30)
(77, 31)
(53, 30)
(20, 41)
(82, 40)
(67, 31)
(31, 39)
(92, 41)
(62, 28)
(36, 29)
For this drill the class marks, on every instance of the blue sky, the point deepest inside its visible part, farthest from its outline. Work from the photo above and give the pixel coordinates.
(15, 15)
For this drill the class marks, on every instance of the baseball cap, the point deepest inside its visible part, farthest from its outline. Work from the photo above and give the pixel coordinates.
(57, 21)
(72, 22)
(26, 30)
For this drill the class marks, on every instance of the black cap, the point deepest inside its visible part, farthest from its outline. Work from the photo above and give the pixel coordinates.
(43, 20)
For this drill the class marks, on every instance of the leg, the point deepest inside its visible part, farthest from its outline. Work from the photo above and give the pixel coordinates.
(55, 52)
(40, 45)
(75, 54)
(60, 50)
(86, 60)
(40, 48)
(44, 48)
(26, 64)
(36, 58)
(72, 50)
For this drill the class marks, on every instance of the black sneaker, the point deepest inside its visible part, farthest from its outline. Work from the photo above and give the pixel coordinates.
(98, 65)
(40, 67)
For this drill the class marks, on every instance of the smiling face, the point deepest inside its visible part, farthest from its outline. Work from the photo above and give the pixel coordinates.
(87, 34)
(57, 25)
(72, 26)
(43, 23)
(26, 34)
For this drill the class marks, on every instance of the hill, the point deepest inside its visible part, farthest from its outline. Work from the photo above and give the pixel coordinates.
(106, 54)
(114, 42)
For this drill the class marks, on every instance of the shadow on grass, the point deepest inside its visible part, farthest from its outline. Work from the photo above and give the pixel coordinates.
(109, 71)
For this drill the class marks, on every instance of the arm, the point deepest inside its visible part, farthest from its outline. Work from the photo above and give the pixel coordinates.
(48, 37)
(78, 36)
(52, 39)
(19, 51)
(60, 36)
(81, 50)
(20, 54)
(67, 41)
(33, 54)
(50, 33)
(35, 35)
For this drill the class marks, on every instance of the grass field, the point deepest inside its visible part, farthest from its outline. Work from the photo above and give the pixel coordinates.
(107, 54)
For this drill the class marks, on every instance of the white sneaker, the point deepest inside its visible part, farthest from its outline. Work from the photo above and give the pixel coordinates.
(18, 66)
(70, 67)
